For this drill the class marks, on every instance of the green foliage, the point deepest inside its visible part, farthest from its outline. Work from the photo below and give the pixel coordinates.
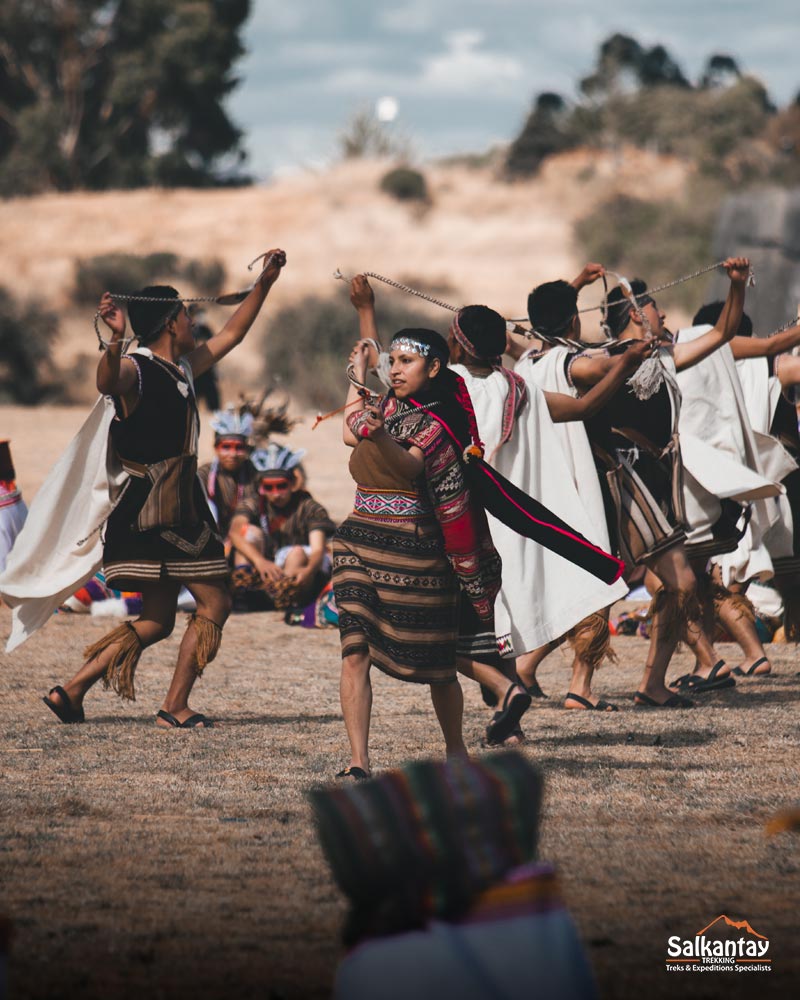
(126, 273)
(307, 345)
(26, 334)
(547, 131)
(405, 184)
(99, 94)
(653, 240)
(641, 96)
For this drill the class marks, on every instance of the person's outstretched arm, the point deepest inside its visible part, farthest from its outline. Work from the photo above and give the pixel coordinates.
(363, 299)
(564, 408)
(689, 354)
(114, 378)
(233, 333)
(766, 347)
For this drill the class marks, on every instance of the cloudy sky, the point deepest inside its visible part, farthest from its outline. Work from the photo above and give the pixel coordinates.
(463, 72)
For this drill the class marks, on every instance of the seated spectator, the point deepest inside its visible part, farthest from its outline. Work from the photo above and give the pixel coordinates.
(281, 533)
(12, 507)
(228, 480)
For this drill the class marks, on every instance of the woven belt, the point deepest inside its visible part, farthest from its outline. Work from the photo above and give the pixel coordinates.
(386, 503)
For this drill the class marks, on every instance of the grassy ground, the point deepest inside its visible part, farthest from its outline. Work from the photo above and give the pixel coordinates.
(140, 861)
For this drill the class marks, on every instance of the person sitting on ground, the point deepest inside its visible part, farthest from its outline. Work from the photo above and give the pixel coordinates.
(229, 479)
(281, 532)
(12, 507)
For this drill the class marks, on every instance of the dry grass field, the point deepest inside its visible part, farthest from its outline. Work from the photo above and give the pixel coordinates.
(137, 861)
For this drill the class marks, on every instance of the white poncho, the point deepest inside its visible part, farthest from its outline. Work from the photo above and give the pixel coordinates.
(722, 460)
(543, 595)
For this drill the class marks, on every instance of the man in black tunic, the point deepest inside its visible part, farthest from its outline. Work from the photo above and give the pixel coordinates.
(161, 534)
(636, 445)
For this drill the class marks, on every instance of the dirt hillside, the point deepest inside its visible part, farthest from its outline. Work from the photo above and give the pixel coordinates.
(481, 239)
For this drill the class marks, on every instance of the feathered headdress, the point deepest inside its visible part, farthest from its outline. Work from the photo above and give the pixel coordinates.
(232, 422)
(276, 458)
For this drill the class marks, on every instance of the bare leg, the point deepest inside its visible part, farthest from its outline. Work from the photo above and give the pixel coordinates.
(214, 603)
(581, 685)
(295, 560)
(528, 663)
(590, 641)
(674, 573)
(448, 703)
(491, 677)
(155, 623)
(355, 693)
(741, 628)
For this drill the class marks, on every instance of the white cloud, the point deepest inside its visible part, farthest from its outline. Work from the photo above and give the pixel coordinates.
(464, 67)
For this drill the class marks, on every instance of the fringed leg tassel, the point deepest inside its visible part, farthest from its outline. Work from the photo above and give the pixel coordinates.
(675, 609)
(740, 603)
(122, 665)
(591, 640)
(791, 613)
(209, 637)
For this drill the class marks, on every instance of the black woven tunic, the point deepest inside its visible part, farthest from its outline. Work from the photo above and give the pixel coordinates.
(163, 425)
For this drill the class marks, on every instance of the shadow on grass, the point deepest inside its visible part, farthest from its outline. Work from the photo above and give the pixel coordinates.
(598, 764)
(667, 738)
(222, 721)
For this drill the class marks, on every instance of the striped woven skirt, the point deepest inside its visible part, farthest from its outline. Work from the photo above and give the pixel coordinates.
(396, 593)
(132, 558)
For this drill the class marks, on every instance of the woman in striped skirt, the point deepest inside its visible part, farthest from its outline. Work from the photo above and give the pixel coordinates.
(414, 544)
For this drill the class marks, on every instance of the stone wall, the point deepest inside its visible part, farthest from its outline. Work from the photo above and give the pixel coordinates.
(765, 226)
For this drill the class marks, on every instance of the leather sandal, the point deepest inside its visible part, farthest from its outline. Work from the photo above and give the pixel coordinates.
(64, 708)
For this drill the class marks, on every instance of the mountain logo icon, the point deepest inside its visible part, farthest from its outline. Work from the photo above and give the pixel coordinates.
(724, 921)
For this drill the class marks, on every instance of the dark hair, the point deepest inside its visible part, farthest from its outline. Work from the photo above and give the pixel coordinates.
(485, 329)
(435, 341)
(446, 387)
(619, 306)
(148, 319)
(552, 306)
(711, 312)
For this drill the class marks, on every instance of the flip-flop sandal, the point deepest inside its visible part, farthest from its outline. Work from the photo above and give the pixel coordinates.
(356, 773)
(692, 682)
(515, 704)
(193, 722)
(674, 701)
(64, 709)
(751, 671)
(601, 706)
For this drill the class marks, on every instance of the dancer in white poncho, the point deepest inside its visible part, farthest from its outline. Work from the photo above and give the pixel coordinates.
(542, 596)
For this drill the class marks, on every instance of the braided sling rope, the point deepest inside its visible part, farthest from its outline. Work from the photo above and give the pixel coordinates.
(226, 299)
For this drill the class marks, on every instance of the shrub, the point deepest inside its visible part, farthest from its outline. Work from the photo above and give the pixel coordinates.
(546, 131)
(26, 334)
(656, 241)
(126, 272)
(307, 344)
(405, 184)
